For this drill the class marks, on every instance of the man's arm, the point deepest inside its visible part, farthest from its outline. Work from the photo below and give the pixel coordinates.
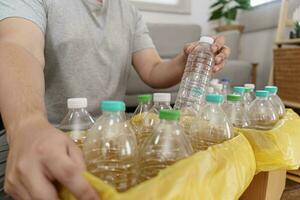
(39, 154)
(21, 78)
(163, 74)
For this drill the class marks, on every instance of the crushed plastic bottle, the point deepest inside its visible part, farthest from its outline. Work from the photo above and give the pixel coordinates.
(211, 125)
(167, 145)
(236, 113)
(276, 101)
(77, 121)
(110, 149)
(262, 114)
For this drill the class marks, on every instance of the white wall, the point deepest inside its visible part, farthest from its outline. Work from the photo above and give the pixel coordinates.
(199, 15)
(258, 47)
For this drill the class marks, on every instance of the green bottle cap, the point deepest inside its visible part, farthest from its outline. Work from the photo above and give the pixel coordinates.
(233, 97)
(214, 98)
(272, 89)
(169, 114)
(239, 89)
(262, 93)
(144, 98)
(112, 106)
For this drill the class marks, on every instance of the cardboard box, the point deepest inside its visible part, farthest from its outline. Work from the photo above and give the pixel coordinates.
(266, 186)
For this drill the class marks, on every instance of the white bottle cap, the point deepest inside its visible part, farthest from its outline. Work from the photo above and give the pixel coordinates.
(206, 39)
(162, 97)
(219, 86)
(214, 82)
(74, 103)
(249, 85)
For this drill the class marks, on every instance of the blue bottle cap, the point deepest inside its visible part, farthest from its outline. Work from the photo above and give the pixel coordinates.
(214, 98)
(272, 89)
(113, 106)
(262, 93)
(239, 89)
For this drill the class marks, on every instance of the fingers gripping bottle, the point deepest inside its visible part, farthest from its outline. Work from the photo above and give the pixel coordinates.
(262, 114)
(167, 145)
(77, 121)
(236, 113)
(110, 150)
(211, 125)
(197, 76)
(276, 101)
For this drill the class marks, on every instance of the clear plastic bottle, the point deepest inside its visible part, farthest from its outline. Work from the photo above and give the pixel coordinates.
(251, 86)
(226, 86)
(145, 104)
(248, 98)
(240, 91)
(110, 149)
(236, 113)
(77, 121)
(218, 89)
(262, 114)
(167, 145)
(197, 76)
(276, 101)
(161, 101)
(211, 125)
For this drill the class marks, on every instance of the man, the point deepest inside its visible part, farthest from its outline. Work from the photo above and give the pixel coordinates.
(54, 49)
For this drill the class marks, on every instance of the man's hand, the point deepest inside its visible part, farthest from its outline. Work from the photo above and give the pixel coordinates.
(221, 51)
(41, 156)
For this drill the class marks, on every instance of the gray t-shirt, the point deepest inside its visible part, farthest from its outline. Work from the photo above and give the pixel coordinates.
(88, 47)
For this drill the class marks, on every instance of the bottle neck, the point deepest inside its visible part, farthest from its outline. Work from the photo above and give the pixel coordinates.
(262, 98)
(205, 44)
(164, 121)
(162, 104)
(119, 114)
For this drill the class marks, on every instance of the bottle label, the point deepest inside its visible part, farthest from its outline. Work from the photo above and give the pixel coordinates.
(197, 92)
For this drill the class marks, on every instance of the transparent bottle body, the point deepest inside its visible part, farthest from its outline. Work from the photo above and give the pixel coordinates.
(262, 114)
(278, 105)
(76, 124)
(110, 151)
(226, 88)
(210, 127)
(196, 77)
(247, 99)
(158, 106)
(167, 145)
(236, 114)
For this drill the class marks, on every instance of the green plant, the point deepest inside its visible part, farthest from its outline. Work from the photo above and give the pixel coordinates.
(228, 9)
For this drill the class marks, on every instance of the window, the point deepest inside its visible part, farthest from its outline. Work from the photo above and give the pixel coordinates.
(173, 6)
(260, 2)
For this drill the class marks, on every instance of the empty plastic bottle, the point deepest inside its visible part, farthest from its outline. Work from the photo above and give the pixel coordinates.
(236, 113)
(77, 121)
(218, 89)
(211, 125)
(110, 149)
(197, 75)
(161, 101)
(167, 145)
(251, 86)
(240, 91)
(276, 101)
(226, 86)
(248, 98)
(262, 114)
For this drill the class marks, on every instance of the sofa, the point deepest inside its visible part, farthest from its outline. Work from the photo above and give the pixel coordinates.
(169, 40)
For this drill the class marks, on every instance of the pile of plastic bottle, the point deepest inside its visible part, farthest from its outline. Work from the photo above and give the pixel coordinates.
(124, 152)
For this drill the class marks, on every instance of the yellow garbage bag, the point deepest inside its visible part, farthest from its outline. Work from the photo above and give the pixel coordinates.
(223, 172)
(278, 148)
